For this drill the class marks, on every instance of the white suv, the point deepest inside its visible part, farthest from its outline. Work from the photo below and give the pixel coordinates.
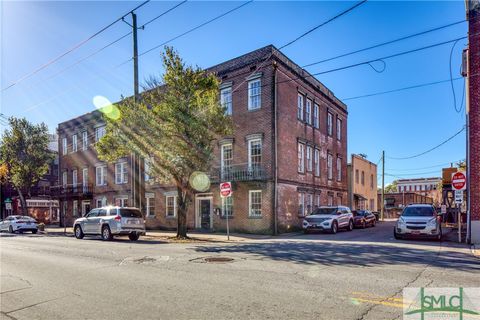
(419, 220)
(329, 219)
(111, 221)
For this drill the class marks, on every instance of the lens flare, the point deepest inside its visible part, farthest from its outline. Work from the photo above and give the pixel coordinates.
(199, 181)
(106, 107)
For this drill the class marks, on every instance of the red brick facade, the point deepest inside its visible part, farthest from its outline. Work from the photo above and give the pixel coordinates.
(257, 134)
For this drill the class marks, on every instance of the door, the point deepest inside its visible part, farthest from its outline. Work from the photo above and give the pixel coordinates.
(88, 225)
(85, 207)
(205, 215)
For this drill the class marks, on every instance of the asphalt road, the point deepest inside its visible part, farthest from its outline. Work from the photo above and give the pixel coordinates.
(350, 275)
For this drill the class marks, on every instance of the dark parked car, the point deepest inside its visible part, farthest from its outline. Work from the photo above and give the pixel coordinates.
(363, 219)
(377, 215)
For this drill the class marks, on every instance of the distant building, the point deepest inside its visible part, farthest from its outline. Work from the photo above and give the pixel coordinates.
(362, 184)
(425, 186)
(395, 202)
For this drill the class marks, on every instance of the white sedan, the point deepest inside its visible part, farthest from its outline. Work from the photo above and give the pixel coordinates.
(14, 224)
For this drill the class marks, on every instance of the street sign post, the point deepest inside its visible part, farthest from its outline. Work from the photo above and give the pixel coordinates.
(225, 192)
(443, 209)
(459, 183)
(458, 196)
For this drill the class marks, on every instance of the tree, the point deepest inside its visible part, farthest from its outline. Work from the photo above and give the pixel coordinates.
(174, 125)
(392, 187)
(24, 156)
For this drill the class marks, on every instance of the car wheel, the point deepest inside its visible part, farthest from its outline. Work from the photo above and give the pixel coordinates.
(34, 231)
(78, 232)
(106, 233)
(334, 227)
(133, 236)
(374, 223)
(10, 229)
(350, 225)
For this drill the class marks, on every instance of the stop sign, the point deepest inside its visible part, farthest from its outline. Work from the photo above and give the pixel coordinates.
(459, 180)
(225, 189)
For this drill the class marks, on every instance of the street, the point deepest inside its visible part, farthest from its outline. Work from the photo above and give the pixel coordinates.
(350, 275)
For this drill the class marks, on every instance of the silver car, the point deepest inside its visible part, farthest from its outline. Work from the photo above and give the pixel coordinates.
(111, 221)
(418, 220)
(19, 224)
(329, 219)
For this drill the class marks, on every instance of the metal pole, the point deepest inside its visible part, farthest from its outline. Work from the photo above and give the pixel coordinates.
(135, 56)
(467, 120)
(228, 229)
(459, 215)
(383, 186)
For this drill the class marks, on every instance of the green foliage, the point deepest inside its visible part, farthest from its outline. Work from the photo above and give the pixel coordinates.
(392, 187)
(174, 124)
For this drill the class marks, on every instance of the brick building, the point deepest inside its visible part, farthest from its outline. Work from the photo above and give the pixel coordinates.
(425, 186)
(286, 156)
(473, 113)
(396, 201)
(362, 184)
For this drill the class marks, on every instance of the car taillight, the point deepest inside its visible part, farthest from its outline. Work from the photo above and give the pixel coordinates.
(118, 218)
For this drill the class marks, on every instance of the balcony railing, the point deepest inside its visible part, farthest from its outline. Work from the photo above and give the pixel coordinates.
(72, 190)
(242, 172)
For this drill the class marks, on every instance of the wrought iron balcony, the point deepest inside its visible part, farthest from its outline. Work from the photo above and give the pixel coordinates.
(241, 172)
(72, 191)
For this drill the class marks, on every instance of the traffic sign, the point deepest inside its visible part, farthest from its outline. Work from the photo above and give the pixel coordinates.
(459, 180)
(458, 196)
(8, 206)
(225, 189)
(443, 209)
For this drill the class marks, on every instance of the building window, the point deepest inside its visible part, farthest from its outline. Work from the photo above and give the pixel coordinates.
(301, 204)
(339, 200)
(84, 140)
(100, 174)
(339, 169)
(227, 157)
(356, 176)
(339, 129)
(102, 202)
(121, 201)
(308, 111)
(300, 107)
(84, 179)
(330, 166)
(227, 206)
(147, 167)
(309, 159)
(150, 206)
(74, 143)
(316, 119)
(75, 208)
(99, 132)
(64, 146)
(301, 159)
(74, 179)
(363, 178)
(371, 181)
(121, 173)
(226, 99)
(309, 203)
(255, 203)
(65, 208)
(317, 201)
(64, 178)
(330, 199)
(254, 94)
(317, 162)
(329, 124)
(254, 153)
(171, 206)
(372, 204)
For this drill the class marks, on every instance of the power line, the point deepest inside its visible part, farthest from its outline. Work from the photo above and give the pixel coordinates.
(162, 14)
(429, 150)
(75, 47)
(384, 43)
(411, 174)
(429, 167)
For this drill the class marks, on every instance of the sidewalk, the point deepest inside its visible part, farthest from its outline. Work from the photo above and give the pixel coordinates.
(168, 235)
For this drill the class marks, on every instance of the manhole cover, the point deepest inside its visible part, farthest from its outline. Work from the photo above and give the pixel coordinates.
(213, 260)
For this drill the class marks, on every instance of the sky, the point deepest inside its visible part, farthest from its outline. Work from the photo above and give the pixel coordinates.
(402, 124)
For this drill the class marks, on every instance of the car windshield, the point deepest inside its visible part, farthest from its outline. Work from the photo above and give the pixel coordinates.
(418, 212)
(27, 218)
(130, 213)
(359, 213)
(326, 211)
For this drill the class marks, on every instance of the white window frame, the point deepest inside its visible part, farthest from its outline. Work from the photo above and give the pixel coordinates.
(75, 208)
(330, 166)
(254, 100)
(99, 132)
(330, 200)
(329, 123)
(301, 157)
(250, 193)
(64, 178)
(316, 157)
(103, 175)
(339, 129)
(300, 114)
(122, 201)
(316, 118)
(309, 158)
(64, 146)
(121, 173)
(148, 205)
(84, 140)
(250, 143)
(74, 177)
(174, 206)
(301, 204)
(226, 100)
(222, 155)
(339, 169)
(74, 143)
(317, 200)
(308, 111)
(225, 204)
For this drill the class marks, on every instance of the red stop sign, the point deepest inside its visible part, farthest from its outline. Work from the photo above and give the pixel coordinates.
(459, 180)
(225, 189)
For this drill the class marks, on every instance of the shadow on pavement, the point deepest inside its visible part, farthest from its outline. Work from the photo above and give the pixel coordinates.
(350, 254)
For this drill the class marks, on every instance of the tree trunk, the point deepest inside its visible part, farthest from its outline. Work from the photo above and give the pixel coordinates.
(182, 207)
(23, 202)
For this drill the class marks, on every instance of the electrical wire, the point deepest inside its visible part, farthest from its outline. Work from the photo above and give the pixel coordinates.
(429, 150)
(429, 167)
(451, 79)
(162, 14)
(75, 47)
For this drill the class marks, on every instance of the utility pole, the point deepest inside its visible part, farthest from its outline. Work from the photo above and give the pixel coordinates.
(383, 186)
(135, 56)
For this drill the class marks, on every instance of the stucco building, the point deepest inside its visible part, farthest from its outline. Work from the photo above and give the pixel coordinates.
(362, 184)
